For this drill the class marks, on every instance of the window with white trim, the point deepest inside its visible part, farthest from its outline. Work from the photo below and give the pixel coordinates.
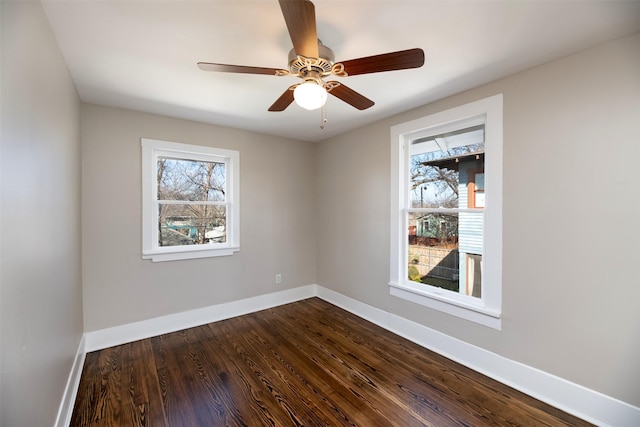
(446, 218)
(190, 206)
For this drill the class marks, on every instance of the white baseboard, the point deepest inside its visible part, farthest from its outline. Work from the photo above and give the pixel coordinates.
(71, 389)
(109, 337)
(572, 398)
(575, 399)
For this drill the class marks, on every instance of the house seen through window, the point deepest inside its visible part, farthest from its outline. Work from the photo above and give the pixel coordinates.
(445, 215)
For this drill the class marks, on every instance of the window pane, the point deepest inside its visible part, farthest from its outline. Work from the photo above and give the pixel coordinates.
(445, 250)
(439, 165)
(190, 180)
(433, 249)
(191, 224)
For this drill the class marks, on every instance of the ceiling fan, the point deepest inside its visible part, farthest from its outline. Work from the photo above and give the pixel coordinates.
(312, 61)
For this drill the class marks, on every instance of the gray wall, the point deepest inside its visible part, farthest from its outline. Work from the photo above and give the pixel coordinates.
(277, 220)
(40, 279)
(571, 219)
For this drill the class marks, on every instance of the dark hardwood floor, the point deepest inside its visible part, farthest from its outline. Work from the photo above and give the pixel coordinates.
(307, 363)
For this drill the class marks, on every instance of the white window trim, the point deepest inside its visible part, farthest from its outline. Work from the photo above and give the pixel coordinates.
(488, 309)
(151, 150)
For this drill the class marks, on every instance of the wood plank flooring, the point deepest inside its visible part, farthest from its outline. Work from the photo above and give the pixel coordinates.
(307, 363)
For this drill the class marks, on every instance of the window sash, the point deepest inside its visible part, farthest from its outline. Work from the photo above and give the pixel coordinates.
(191, 202)
(443, 210)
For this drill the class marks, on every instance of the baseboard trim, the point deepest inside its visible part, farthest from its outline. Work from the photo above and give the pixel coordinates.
(71, 389)
(572, 398)
(117, 335)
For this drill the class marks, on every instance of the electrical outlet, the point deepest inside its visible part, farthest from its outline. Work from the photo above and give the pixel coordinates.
(278, 278)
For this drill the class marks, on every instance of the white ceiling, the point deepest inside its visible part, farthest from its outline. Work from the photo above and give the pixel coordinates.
(142, 55)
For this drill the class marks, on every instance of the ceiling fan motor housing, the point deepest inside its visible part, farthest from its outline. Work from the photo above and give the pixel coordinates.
(312, 67)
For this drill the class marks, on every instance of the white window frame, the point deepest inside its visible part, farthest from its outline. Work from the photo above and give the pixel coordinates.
(153, 149)
(486, 310)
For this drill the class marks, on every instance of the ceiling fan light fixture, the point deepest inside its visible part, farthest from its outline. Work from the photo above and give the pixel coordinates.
(310, 95)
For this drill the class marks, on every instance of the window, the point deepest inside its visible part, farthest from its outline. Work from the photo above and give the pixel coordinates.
(476, 188)
(446, 219)
(190, 203)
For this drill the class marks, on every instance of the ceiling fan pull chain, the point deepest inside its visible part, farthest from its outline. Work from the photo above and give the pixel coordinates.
(323, 116)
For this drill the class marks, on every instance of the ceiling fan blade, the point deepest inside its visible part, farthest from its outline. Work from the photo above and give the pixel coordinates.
(300, 16)
(225, 68)
(401, 60)
(284, 101)
(349, 96)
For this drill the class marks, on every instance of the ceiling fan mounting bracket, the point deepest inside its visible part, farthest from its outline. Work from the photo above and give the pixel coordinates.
(329, 86)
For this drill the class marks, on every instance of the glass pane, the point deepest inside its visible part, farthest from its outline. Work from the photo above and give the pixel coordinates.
(433, 249)
(181, 225)
(439, 166)
(191, 180)
(445, 250)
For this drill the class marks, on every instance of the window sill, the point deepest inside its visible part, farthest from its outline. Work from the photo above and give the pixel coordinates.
(444, 302)
(192, 254)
